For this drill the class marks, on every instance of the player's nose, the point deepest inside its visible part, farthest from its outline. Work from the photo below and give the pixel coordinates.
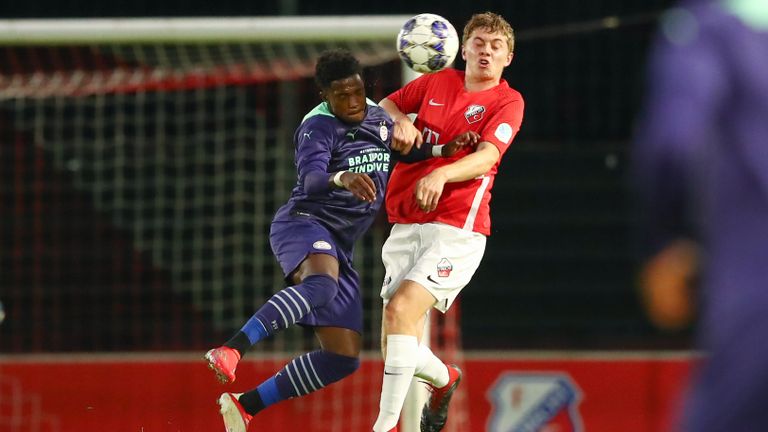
(356, 102)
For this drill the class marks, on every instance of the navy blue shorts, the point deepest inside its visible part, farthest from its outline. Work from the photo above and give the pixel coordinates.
(292, 241)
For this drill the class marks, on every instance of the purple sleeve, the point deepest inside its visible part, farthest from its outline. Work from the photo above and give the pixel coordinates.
(417, 154)
(685, 95)
(313, 153)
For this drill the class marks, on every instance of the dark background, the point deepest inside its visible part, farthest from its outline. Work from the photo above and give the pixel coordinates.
(559, 268)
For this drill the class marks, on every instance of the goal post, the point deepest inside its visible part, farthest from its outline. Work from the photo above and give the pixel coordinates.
(160, 149)
(200, 30)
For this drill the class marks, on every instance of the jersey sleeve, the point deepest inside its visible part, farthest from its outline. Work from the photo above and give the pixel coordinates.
(409, 97)
(314, 143)
(504, 124)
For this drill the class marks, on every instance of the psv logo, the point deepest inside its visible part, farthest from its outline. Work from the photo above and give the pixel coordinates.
(474, 113)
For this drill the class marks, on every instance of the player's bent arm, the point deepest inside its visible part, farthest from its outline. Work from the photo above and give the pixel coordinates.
(317, 181)
(393, 110)
(404, 134)
(472, 165)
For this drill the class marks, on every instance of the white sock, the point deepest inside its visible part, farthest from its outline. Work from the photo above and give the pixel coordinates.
(399, 365)
(431, 368)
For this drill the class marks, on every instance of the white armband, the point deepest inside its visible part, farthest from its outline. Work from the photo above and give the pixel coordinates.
(337, 179)
(437, 151)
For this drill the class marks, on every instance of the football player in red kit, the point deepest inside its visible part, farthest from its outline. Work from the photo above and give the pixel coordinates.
(440, 206)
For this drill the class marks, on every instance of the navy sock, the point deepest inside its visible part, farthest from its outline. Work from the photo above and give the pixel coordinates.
(303, 375)
(288, 306)
(239, 342)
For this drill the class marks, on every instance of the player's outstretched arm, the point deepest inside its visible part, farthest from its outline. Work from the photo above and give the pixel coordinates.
(461, 140)
(427, 150)
(359, 184)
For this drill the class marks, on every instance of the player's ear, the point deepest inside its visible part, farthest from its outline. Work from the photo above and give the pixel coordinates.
(463, 56)
(509, 59)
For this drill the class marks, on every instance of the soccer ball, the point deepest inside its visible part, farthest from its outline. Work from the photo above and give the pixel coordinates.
(427, 43)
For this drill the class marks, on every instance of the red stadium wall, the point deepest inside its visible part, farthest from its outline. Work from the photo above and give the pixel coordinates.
(596, 393)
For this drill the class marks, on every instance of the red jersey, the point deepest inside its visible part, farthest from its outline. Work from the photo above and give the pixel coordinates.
(444, 110)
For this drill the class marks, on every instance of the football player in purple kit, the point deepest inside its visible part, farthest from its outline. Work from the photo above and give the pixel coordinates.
(701, 170)
(342, 160)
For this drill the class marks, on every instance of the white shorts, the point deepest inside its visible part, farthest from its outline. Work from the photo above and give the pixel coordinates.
(440, 257)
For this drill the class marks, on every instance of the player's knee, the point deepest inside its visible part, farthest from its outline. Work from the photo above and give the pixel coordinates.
(347, 365)
(395, 313)
(320, 289)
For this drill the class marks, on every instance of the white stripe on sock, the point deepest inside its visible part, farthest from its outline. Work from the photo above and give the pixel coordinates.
(298, 376)
(306, 373)
(290, 377)
(306, 303)
(309, 360)
(279, 310)
(287, 306)
(290, 297)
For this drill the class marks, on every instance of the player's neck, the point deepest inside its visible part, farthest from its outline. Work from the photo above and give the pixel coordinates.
(478, 85)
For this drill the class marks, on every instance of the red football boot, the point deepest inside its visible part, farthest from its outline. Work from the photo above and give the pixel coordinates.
(223, 361)
(435, 412)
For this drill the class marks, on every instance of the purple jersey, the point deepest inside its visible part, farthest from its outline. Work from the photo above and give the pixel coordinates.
(327, 219)
(702, 155)
(326, 144)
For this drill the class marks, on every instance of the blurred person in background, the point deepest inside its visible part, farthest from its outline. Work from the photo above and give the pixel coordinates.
(701, 173)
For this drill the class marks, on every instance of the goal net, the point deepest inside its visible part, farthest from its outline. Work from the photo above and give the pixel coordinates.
(142, 161)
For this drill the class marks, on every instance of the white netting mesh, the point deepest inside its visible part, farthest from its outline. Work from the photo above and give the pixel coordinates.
(178, 151)
(99, 69)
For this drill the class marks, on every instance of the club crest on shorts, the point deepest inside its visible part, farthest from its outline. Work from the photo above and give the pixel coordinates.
(474, 113)
(523, 402)
(444, 268)
(322, 245)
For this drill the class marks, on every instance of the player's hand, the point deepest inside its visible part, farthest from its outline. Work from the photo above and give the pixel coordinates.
(466, 138)
(360, 185)
(405, 136)
(429, 189)
(666, 285)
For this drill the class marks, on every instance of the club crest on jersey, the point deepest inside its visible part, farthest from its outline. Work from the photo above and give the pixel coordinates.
(474, 113)
(535, 402)
(444, 268)
(383, 132)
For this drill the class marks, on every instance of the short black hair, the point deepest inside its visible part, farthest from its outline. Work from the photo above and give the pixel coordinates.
(335, 64)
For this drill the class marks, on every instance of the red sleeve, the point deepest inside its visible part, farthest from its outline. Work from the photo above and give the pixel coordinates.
(409, 97)
(504, 124)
